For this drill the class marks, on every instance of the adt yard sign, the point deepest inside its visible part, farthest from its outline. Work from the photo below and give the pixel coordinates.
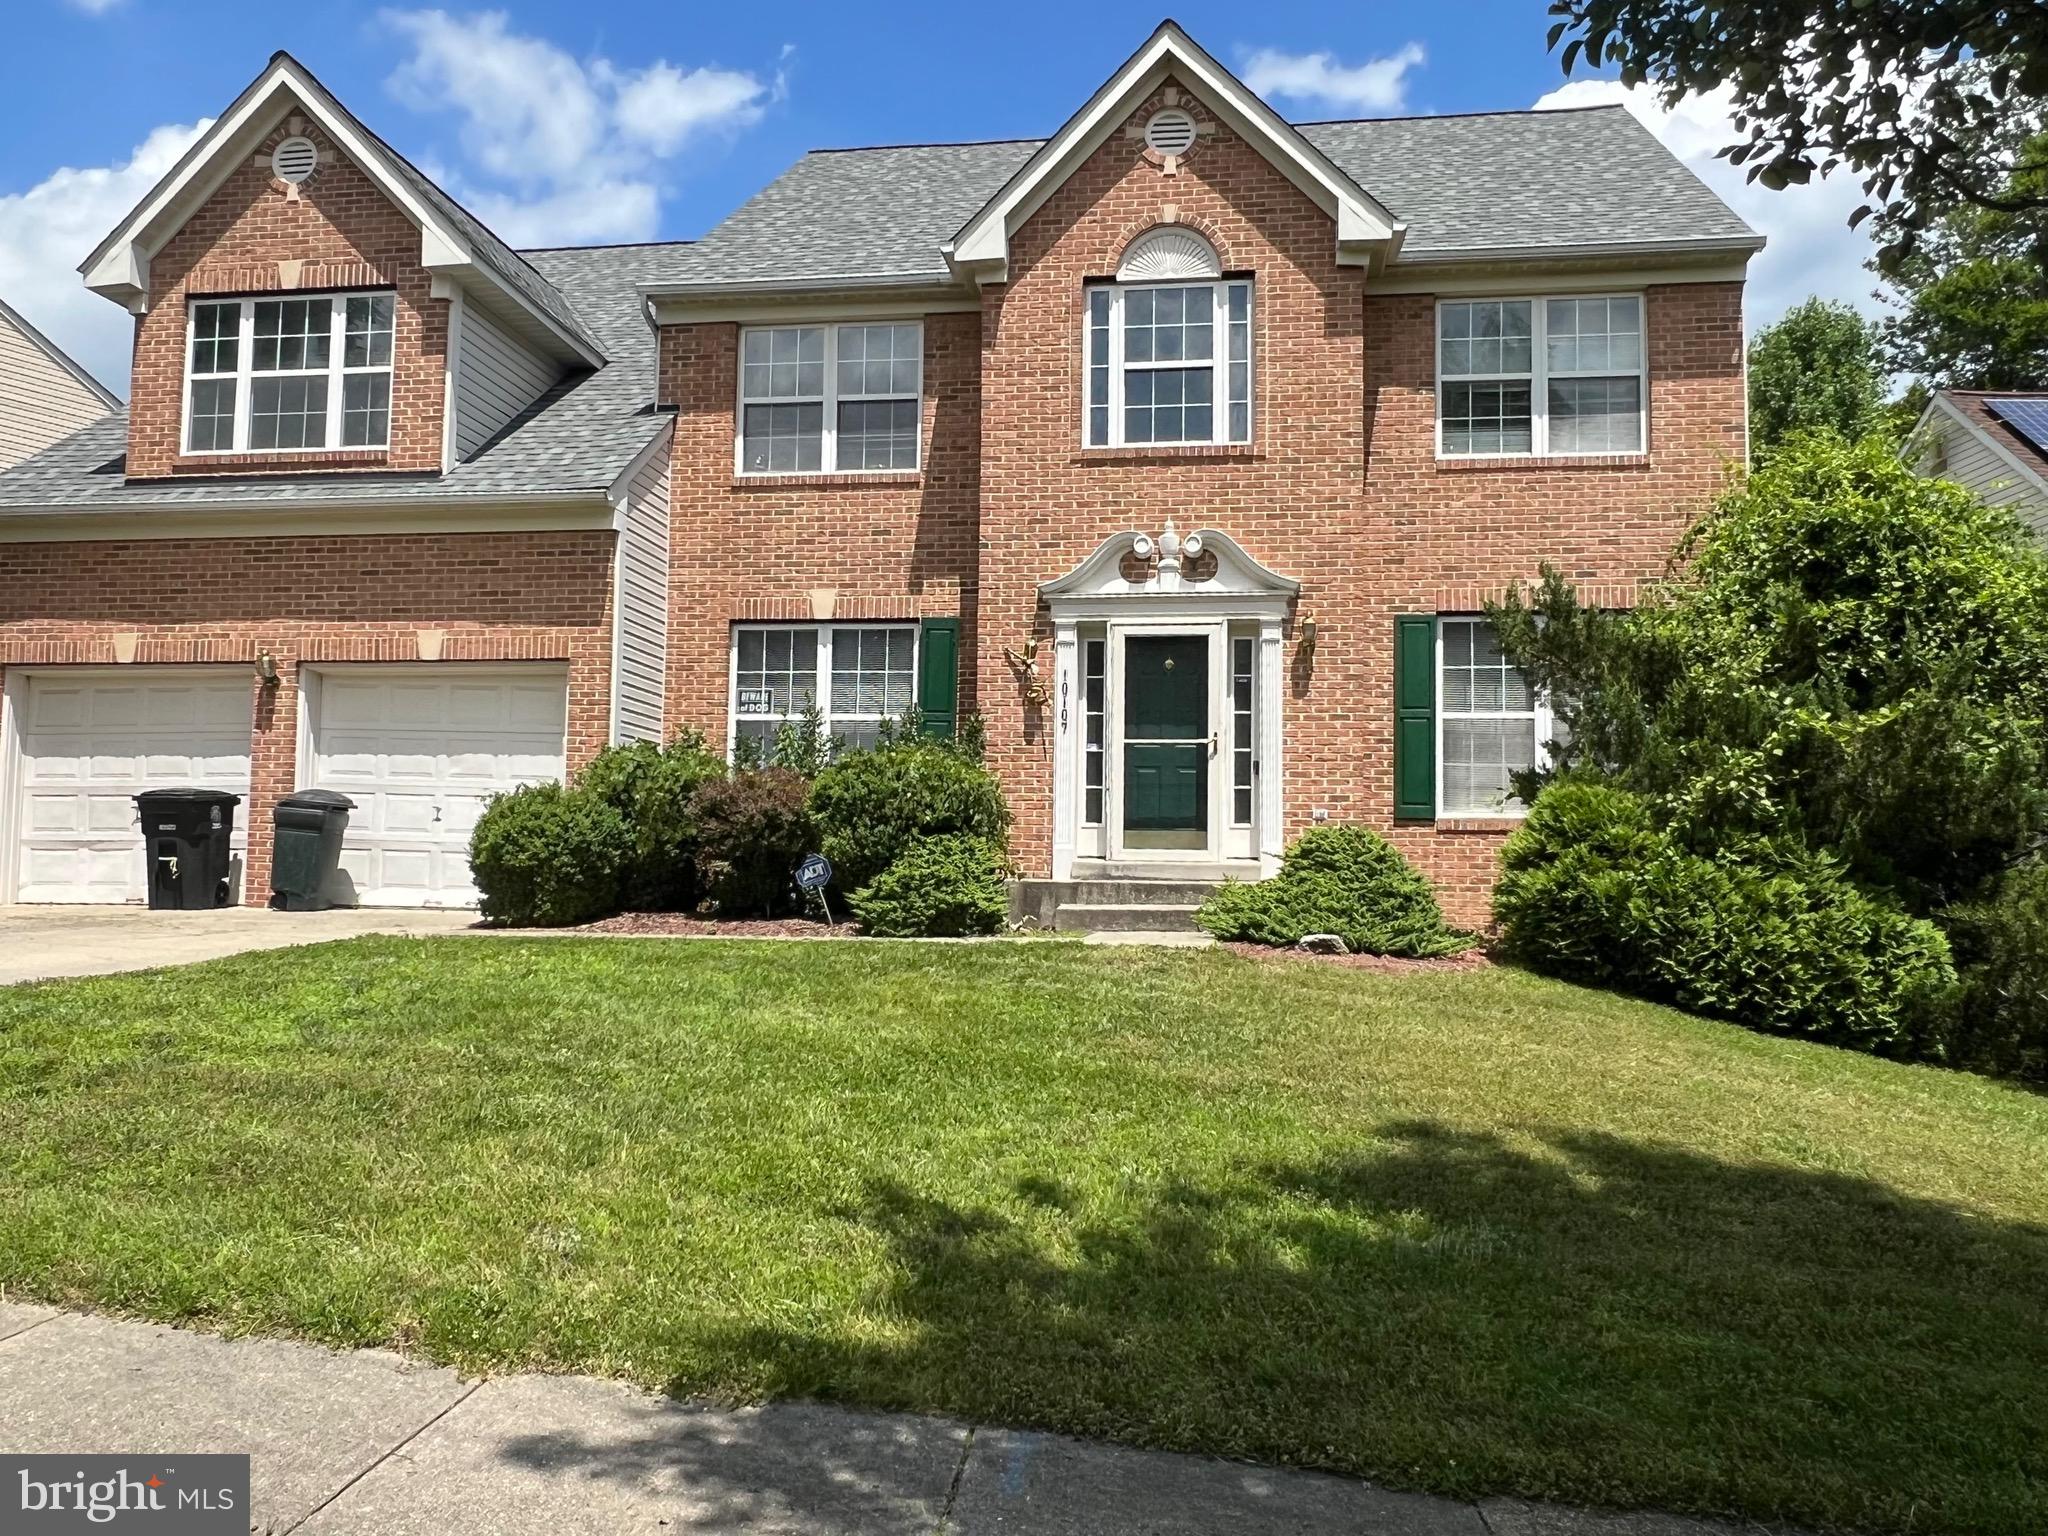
(815, 873)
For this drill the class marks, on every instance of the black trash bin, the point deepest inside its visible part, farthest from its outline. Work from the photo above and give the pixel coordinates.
(185, 835)
(308, 848)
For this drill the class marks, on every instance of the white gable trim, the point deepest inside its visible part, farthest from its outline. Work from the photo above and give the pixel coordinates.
(1367, 234)
(118, 268)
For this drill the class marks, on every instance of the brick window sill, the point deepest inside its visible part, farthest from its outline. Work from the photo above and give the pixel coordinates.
(1496, 826)
(1510, 466)
(242, 463)
(868, 480)
(1170, 453)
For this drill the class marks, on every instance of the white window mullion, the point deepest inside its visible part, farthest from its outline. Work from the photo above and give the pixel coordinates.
(336, 309)
(1116, 368)
(1219, 363)
(1539, 377)
(245, 374)
(828, 447)
(824, 694)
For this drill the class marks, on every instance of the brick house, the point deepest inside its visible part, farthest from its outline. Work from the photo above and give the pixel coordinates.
(1184, 446)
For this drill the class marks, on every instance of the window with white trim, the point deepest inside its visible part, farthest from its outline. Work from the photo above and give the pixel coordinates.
(1490, 723)
(1169, 363)
(281, 375)
(838, 399)
(868, 674)
(1541, 376)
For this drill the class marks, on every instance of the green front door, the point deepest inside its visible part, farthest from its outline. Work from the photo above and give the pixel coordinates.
(1166, 740)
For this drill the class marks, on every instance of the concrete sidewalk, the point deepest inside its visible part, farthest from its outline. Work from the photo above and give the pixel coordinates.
(43, 943)
(370, 1444)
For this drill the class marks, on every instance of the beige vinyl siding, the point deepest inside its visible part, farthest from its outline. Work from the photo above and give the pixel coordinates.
(1969, 460)
(496, 378)
(40, 400)
(640, 668)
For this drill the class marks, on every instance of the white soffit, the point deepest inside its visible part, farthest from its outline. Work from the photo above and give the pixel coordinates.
(1367, 233)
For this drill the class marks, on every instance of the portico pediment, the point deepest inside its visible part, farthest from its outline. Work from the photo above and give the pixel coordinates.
(1136, 571)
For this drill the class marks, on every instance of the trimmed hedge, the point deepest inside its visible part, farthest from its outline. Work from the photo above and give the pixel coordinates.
(655, 789)
(1592, 891)
(549, 857)
(1345, 880)
(941, 888)
(753, 831)
(870, 806)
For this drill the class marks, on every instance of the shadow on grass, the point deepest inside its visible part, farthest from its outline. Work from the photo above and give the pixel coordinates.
(1580, 1317)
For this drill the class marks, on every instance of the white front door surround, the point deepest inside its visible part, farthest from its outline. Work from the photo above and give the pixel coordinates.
(1203, 589)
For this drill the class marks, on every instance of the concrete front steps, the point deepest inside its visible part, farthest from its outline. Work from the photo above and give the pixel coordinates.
(1110, 905)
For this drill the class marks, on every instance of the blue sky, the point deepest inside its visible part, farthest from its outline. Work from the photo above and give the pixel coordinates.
(565, 122)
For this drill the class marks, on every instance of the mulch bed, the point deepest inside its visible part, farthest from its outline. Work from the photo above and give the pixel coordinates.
(683, 925)
(1470, 960)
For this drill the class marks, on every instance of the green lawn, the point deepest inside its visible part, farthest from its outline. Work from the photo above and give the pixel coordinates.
(1460, 1231)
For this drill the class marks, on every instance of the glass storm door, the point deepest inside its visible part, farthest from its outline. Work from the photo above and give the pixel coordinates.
(1166, 741)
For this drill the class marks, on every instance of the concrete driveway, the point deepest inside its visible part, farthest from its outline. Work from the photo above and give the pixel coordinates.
(40, 943)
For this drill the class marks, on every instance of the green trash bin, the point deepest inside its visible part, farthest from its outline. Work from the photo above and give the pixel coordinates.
(307, 850)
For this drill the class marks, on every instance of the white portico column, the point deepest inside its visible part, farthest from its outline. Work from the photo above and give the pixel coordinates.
(1065, 723)
(1268, 692)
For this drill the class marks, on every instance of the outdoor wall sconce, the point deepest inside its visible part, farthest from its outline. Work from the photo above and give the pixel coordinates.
(1307, 630)
(1037, 692)
(266, 669)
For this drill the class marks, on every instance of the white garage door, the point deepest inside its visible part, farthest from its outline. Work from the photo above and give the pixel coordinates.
(420, 751)
(90, 743)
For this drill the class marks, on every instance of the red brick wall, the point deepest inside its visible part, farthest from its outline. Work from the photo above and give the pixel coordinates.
(889, 546)
(1339, 488)
(345, 234)
(498, 597)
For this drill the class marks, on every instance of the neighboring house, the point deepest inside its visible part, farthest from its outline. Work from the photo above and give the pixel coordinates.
(1993, 441)
(44, 395)
(1185, 446)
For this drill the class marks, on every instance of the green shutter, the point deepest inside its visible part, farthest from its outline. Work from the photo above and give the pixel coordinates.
(938, 676)
(1415, 717)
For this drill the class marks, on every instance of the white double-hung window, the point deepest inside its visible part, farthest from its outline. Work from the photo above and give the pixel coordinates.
(1168, 348)
(1490, 723)
(830, 399)
(857, 675)
(1541, 376)
(279, 375)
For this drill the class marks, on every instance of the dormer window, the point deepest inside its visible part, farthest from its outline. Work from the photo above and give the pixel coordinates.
(285, 375)
(1169, 348)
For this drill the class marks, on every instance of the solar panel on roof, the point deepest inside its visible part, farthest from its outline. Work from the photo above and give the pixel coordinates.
(2029, 418)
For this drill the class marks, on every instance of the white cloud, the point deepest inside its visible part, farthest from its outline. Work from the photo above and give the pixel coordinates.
(563, 149)
(48, 230)
(1812, 250)
(1378, 85)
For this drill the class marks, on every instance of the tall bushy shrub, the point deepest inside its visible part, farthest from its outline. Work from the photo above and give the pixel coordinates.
(549, 857)
(939, 888)
(1775, 938)
(1850, 655)
(655, 789)
(1999, 1018)
(1345, 880)
(753, 831)
(870, 806)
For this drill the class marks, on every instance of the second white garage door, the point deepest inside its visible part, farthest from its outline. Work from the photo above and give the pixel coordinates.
(420, 750)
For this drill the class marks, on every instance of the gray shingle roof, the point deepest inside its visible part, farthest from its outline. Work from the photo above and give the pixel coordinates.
(857, 213)
(1526, 180)
(1492, 181)
(574, 439)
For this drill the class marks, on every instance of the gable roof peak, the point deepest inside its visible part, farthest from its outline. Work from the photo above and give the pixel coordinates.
(454, 244)
(1367, 233)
